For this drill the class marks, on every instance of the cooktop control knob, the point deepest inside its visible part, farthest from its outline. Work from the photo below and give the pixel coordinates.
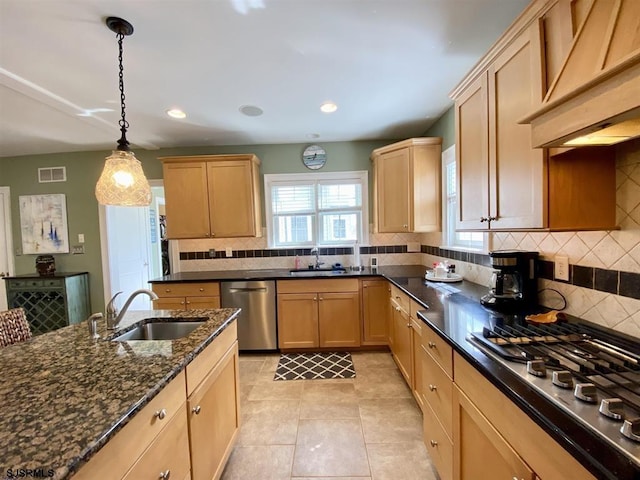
(562, 379)
(537, 368)
(586, 392)
(612, 408)
(631, 429)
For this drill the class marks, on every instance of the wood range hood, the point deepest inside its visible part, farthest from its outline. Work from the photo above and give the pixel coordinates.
(595, 98)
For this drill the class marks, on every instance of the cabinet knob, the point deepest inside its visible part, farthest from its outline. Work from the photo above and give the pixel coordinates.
(365, 286)
(167, 290)
(397, 309)
(315, 299)
(431, 345)
(408, 325)
(206, 234)
(432, 387)
(161, 414)
(188, 302)
(213, 234)
(492, 219)
(405, 226)
(483, 219)
(321, 299)
(182, 303)
(166, 475)
(201, 289)
(433, 443)
(196, 410)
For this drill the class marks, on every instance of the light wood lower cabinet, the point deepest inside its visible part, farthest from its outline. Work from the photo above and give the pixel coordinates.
(375, 307)
(491, 432)
(214, 418)
(318, 313)
(417, 383)
(480, 452)
(438, 445)
(186, 295)
(188, 438)
(401, 350)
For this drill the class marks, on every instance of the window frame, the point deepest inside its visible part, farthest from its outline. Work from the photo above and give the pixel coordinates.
(361, 177)
(450, 237)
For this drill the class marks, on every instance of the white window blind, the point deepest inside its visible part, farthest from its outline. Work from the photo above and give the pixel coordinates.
(326, 209)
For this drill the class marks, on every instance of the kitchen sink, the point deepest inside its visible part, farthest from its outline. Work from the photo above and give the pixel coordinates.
(159, 330)
(320, 272)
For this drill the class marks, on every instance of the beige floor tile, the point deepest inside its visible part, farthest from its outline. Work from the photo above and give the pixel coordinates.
(245, 390)
(391, 387)
(330, 478)
(390, 420)
(277, 391)
(329, 409)
(248, 371)
(263, 462)
(271, 362)
(269, 422)
(330, 448)
(406, 461)
(372, 360)
(320, 390)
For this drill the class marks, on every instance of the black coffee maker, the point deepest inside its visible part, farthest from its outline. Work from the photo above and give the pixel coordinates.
(514, 284)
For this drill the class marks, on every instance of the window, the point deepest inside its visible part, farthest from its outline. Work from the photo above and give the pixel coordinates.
(316, 209)
(463, 240)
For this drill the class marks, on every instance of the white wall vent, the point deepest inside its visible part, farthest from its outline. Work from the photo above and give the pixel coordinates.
(52, 174)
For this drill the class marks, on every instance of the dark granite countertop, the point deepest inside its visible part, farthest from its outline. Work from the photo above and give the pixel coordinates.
(453, 310)
(63, 395)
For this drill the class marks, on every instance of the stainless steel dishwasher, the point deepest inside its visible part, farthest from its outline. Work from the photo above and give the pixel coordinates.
(257, 321)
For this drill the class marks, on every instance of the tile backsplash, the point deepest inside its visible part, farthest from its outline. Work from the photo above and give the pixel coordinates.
(604, 286)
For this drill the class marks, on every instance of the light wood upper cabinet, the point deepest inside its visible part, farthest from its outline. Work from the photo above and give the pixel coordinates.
(504, 183)
(212, 196)
(407, 178)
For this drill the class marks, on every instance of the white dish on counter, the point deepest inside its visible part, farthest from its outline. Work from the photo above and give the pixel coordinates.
(450, 278)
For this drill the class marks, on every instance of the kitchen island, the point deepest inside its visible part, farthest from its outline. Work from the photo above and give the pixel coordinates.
(65, 396)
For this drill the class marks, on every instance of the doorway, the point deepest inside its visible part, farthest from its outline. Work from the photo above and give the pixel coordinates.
(131, 248)
(6, 244)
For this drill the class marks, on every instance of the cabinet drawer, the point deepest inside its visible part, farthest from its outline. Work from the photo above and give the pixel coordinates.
(438, 391)
(206, 360)
(183, 289)
(169, 303)
(400, 298)
(318, 286)
(130, 442)
(438, 445)
(169, 452)
(440, 350)
(24, 283)
(53, 282)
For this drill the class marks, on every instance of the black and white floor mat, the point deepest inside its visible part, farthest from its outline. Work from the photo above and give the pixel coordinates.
(310, 366)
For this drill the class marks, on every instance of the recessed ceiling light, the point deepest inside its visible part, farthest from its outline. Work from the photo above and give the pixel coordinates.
(328, 107)
(313, 135)
(251, 110)
(176, 113)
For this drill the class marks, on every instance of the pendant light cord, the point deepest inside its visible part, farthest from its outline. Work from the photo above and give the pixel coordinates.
(123, 143)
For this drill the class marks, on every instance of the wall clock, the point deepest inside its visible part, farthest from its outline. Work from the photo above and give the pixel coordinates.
(314, 157)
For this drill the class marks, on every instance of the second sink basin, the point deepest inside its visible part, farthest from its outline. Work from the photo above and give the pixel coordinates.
(159, 330)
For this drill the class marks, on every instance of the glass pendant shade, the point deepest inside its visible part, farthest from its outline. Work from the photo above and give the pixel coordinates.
(122, 181)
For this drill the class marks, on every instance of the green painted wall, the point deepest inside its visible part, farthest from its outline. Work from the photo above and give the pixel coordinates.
(84, 168)
(445, 128)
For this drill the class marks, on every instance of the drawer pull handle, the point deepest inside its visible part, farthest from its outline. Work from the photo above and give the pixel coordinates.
(196, 410)
(161, 414)
(167, 290)
(408, 325)
(433, 387)
(201, 289)
(433, 443)
(165, 475)
(431, 345)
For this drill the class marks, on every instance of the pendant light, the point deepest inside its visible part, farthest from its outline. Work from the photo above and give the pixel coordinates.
(122, 181)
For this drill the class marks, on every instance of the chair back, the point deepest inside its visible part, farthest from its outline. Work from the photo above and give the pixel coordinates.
(14, 327)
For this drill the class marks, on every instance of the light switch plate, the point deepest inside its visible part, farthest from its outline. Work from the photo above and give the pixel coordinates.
(229, 252)
(373, 262)
(561, 268)
(413, 246)
(77, 250)
(81, 238)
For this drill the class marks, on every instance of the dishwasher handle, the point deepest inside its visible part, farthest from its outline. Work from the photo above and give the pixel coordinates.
(249, 289)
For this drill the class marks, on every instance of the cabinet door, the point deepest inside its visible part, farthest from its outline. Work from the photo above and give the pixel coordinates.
(393, 191)
(214, 418)
(375, 309)
(472, 154)
(170, 303)
(516, 170)
(194, 303)
(402, 342)
(480, 452)
(417, 385)
(298, 320)
(187, 200)
(231, 202)
(339, 319)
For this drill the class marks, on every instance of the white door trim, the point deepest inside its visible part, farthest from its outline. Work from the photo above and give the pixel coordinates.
(7, 231)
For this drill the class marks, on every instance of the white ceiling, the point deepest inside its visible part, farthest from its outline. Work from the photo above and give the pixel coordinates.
(388, 64)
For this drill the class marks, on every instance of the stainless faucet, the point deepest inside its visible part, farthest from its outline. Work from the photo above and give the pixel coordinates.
(314, 251)
(113, 317)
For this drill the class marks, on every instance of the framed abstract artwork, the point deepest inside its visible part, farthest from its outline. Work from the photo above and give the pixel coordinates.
(43, 223)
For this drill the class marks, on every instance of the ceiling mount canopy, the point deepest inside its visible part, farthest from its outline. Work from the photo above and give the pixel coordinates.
(122, 181)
